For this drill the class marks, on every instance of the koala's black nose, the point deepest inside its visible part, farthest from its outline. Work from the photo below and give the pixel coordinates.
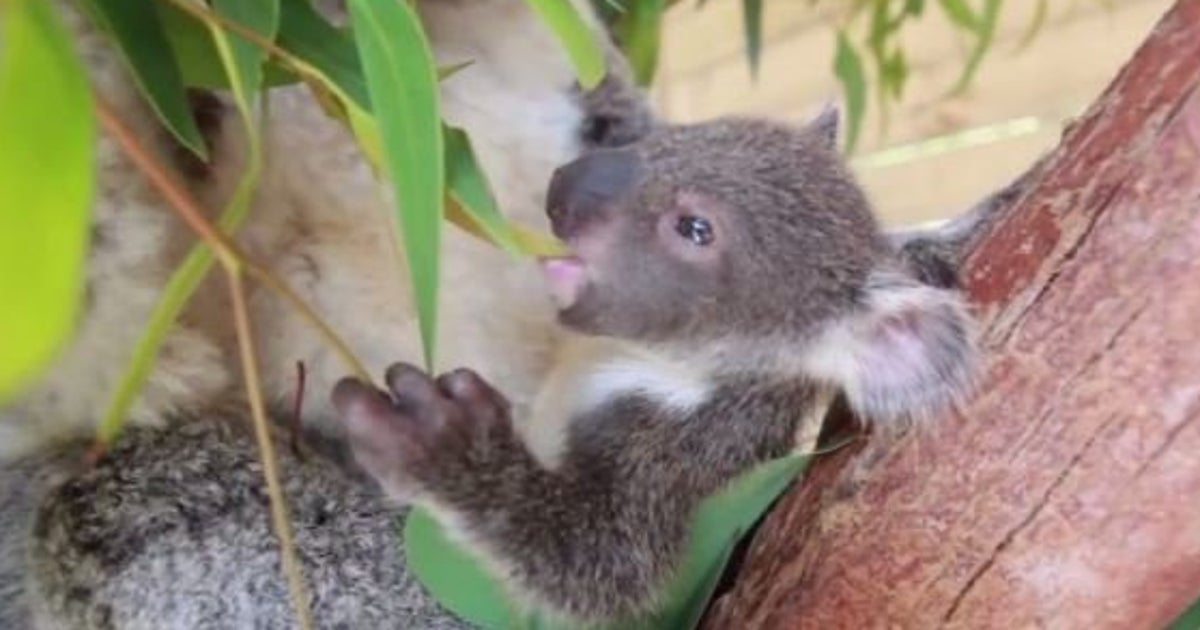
(585, 189)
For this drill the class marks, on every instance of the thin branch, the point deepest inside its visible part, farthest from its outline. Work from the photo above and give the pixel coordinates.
(280, 520)
(226, 250)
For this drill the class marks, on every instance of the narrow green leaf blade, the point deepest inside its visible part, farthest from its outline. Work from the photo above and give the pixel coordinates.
(199, 62)
(242, 58)
(576, 36)
(330, 50)
(718, 525)
(139, 35)
(639, 30)
(403, 85)
(752, 20)
(468, 187)
(960, 13)
(1188, 620)
(46, 163)
(454, 576)
(986, 31)
(848, 67)
(1040, 11)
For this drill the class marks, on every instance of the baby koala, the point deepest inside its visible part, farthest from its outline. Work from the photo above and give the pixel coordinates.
(725, 279)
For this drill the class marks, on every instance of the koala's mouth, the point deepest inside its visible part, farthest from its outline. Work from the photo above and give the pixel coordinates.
(566, 276)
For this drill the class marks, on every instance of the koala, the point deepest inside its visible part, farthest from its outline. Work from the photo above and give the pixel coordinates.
(725, 280)
(723, 277)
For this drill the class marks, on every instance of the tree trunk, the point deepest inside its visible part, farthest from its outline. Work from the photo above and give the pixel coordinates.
(1067, 493)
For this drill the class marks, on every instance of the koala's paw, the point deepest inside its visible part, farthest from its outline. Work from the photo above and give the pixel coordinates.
(423, 430)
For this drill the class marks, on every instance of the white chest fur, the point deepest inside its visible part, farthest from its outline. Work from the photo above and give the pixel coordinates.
(590, 372)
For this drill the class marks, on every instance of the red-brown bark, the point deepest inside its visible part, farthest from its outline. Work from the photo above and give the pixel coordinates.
(1067, 493)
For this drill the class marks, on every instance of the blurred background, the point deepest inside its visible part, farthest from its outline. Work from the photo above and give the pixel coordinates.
(937, 155)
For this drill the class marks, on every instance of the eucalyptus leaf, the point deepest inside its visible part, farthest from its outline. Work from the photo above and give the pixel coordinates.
(960, 13)
(403, 85)
(46, 163)
(576, 37)
(243, 60)
(638, 29)
(469, 193)
(986, 30)
(200, 64)
(717, 526)
(847, 66)
(139, 35)
(752, 21)
(1040, 11)
(1188, 620)
(452, 574)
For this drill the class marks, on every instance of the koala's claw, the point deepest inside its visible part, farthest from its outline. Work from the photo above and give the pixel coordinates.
(486, 407)
(420, 425)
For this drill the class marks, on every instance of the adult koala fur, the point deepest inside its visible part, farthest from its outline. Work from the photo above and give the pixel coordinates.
(319, 222)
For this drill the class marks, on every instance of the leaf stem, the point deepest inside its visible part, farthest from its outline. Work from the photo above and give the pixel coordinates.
(280, 520)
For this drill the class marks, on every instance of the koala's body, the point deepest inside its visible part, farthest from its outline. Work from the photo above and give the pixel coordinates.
(726, 280)
(320, 222)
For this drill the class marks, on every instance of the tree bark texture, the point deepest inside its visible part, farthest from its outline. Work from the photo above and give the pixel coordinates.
(1066, 494)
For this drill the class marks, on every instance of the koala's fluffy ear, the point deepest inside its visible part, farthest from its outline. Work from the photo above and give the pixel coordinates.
(909, 351)
(826, 126)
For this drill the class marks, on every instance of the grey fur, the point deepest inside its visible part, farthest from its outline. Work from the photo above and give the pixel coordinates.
(797, 253)
(171, 530)
(617, 110)
(23, 483)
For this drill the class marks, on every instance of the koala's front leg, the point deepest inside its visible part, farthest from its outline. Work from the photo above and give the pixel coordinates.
(583, 539)
(434, 436)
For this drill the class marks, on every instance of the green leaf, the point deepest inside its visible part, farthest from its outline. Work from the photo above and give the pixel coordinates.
(960, 13)
(752, 21)
(199, 62)
(576, 37)
(986, 30)
(1189, 620)
(1035, 24)
(893, 72)
(330, 50)
(46, 163)
(142, 41)
(402, 81)
(464, 586)
(638, 30)
(847, 66)
(469, 192)
(718, 525)
(454, 576)
(243, 60)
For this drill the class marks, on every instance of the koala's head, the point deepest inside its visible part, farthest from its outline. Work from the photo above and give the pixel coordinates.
(752, 237)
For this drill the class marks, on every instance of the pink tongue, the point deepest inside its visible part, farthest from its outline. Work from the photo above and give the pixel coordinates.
(566, 277)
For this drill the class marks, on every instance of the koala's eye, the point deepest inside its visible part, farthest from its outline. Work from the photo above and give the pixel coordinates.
(698, 231)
